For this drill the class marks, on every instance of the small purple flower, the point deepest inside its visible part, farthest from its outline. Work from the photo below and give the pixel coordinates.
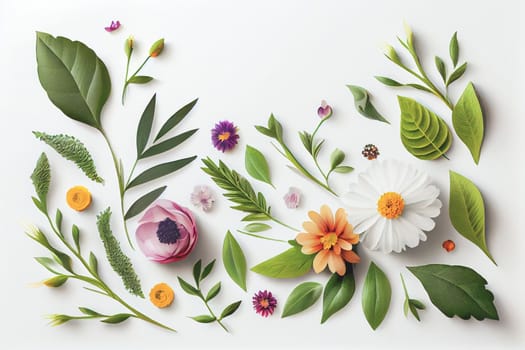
(203, 197)
(292, 198)
(264, 303)
(113, 26)
(325, 110)
(224, 136)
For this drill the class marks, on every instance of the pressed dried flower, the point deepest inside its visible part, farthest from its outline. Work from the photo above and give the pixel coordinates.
(292, 198)
(161, 295)
(78, 198)
(325, 110)
(224, 136)
(203, 197)
(264, 303)
(113, 26)
(370, 152)
(449, 245)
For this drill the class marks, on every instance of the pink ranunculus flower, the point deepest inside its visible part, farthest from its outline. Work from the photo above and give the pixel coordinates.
(167, 232)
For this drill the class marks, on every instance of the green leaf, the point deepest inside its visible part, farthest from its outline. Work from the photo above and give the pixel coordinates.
(197, 272)
(442, 69)
(213, 291)
(306, 139)
(257, 227)
(453, 48)
(363, 104)
(207, 269)
(343, 169)
(457, 74)
(376, 296)
(289, 264)
(168, 144)
(457, 291)
(203, 318)
(144, 127)
(89, 312)
(75, 79)
(41, 178)
(467, 211)
(419, 87)
(75, 233)
(423, 133)
(256, 217)
(301, 298)
(188, 288)
(56, 281)
(48, 263)
(74, 150)
(411, 304)
(175, 119)
(118, 318)
(337, 293)
(230, 309)
(317, 149)
(93, 263)
(256, 165)
(389, 82)
(159, 171)
(336, 158)
(143, 202)
(467, 119)
(234, 260)
(140, 79)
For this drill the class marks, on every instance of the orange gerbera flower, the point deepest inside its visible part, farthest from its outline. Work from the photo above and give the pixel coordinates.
(331, 238)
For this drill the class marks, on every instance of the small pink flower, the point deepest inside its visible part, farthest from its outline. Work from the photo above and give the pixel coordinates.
(325, 110)
(113, 26)
(264, 303)
(292, 198)
(203, 197)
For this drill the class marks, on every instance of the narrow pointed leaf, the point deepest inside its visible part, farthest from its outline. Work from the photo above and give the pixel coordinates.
(197, 268)
(203, 318)
(301, 298)
(168, 144)
(159, 171)
(48, 263)
(289, 264)
(175, 119)
(144, 127)
(93, 263)
(230, 309)
(363, 104)
(188, 288)
(140, 79)
(213, 291)
(75, 232)
(207, 269)
(256, 165)
(143, 202)
(440, 66)
(89, 312)
(453, 48)
(376, 296)
(256, 217)
(337, 293)
(389, 82)
(118, 318)
(419, 87)
(458, 73)
(234, 260)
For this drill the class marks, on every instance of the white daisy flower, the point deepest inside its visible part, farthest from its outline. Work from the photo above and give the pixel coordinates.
(391, 205)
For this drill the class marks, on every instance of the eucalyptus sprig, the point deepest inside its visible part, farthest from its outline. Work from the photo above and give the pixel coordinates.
(60, 264)
(199, 274)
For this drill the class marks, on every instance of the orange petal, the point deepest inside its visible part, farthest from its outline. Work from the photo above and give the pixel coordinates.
(306, 238)
(336, 264)
(310, 249)
(328, 217)
(337, 248)
(344, 244)
(318, 220)
(320, 260)
(311, 227)
(350, 256)
(340, 221)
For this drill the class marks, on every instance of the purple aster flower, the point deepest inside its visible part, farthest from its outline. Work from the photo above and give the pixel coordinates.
(292, 198)
(325, 110)
(113, 26)
(224, 136)
(203, 197)
(264, 303)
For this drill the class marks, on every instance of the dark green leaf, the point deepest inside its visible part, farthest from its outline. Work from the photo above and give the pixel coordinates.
(207, 269)
(144, 127)
(142, 203)
(467, 119)
(175, 119)
(458, 73)
(336, 158)
(230, 309)
(140, 79)
(40, 206)
(93, 263)
(453, 48)
(343, 169)
(301, 298)
(159, 171)
(363, 104)
(58, 220)
(168, 144)
(376, 296)
(337, 293)
(118, 318)
(388, 81)
(467, 211)
(457, 290)
(442, 69)
(89, 312)
(75, 79)
(197, 272)
(292, 263)
(41, 178)
(204, 318)
(63, 259)
(234, 260)
(75, 232)
(213, 291)
(256, 165)
(188, 288)
(257, 227)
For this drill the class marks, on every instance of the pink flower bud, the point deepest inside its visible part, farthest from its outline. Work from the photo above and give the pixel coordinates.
(325, 110)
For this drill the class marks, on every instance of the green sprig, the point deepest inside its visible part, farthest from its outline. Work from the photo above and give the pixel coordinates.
(411, 304)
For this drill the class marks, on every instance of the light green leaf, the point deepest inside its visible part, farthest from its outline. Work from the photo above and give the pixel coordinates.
(336, 158)
(89, 312)
(75, 233)
(337, 293)
(442, 69)
(213, 291)
(306, 139)
(41, 178)
(343, 169)
(467, 118)
(93, 263)
(376, 296)
(175, 119)
(118, 318)
(140, 79)
(467, 211)
(230, 309)
(289, 264)
(363, 104)
(411, 304)
(419, 87)
(75, 79)
(204, 318)
(234, 260)
(301, 298)
(457, 74)
(159, 171)
(423, 133)
(257, 227)
(48, 263)
(168, 144)
(188, 288)
(453, 48)
(256, 165)
(256, 217)
(457, 290)
(389, 82)
(144, 127)
(142, 203)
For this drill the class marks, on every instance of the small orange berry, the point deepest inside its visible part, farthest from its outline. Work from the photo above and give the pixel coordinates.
(78, 198)
(161, 295)
(449, 245)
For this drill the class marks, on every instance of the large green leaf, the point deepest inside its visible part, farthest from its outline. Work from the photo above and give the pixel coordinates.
(301, 298)
(144, 127)
(467, 118)
(256, 165)
(376, 296)
(363, 104)
(337, 293)
(423, 133)
(159, 171)
(457, 290)
(75, 79)
(289, 264)
(467, 211)
(234, 260)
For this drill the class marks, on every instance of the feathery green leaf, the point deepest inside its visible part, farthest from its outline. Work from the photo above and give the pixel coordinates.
(41, 178)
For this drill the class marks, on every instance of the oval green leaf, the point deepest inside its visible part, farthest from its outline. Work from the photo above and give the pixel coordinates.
(453, 48)
(234, 260)
(188, 288)
(336, 158)
(213, 291)
(289, 264)
(257, 227)
(93, 263)
(467, 119)
(256, 165)
(118, 318)
(457, 74)
(376, 296)
(467, 211)
(388, 81)
(140, 79)
(457, 291)
(337, 293)
(159, 171)
(301, 298)
(423, 133)
(230, 309)
(204, 318)
(363, 104)
(343, 169)
(142, 203)
(440, 66)
(144, 127)
(75, 79)
(207, 270)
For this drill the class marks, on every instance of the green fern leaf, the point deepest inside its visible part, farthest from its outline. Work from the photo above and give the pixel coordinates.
(41, 178)
(72, 149)
(117, 259)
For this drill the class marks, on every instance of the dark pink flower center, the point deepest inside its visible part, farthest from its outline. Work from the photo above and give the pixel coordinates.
(168, 231)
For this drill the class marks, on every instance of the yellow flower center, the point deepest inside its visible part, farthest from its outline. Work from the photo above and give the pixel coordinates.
(329, 240)
(223, 136)
(264, 303)
(390, 205)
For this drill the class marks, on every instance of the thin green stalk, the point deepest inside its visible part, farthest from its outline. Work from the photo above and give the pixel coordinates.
(126, 83)
(325, 176)
(126, 79)
(282, 223)
(211, 312)
(262, 237)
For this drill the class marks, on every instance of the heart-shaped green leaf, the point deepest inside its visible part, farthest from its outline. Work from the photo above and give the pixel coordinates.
(376, 296)
(289, 264)
(234, 260)
(337, 293)
(301, 298)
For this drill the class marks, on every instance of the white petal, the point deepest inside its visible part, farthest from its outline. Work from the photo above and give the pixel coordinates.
(422, 194)
(410, 235)
(363, 219)
(372, 236)
(422, 222)
(358, 200)
(432, 210)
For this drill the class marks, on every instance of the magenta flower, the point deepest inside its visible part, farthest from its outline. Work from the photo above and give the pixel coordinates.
(224, 136)
(325, 110)
(113, 26)
(264, 303)
(292, 198)
(202, 197)
(167, 232)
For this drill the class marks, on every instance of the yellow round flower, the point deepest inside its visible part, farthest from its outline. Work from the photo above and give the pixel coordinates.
(161, 295)
(78, 198)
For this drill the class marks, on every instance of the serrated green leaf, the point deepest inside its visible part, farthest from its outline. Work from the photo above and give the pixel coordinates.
(457, 291)
(230, 309)
(467, 211)
(143, 202)
(75, 79)
(188, 288)
(423, 133)
(376, 296)
(363, 104)
(207, 269)
(144, 127)
(89, 312)
(289, 264)
(118, 318)
(140, 79)
(203, 318)
(41, 178)
(234, 260)
(453, 49)
(257, 227)
(160, 171)
(256, 165)
(336, 158)
(467, 119)
(175, 119)
(337, 293)
(442, 69)
(343, 169)
(93, 263)
(75, 233)
(212, 293)
(301, 298)
(389, 82)
(458, 73)
(168, 144)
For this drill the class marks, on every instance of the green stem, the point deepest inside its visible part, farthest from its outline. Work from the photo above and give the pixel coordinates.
(131, 174)
(126, 79)
(126, 83)
(212, 314)
(262, 237)
(282, 223)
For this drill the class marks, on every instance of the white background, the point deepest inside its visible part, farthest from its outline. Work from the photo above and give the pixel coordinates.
(245, 60)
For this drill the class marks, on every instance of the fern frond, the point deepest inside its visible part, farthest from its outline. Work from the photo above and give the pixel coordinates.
(41, 177)
(72, 149)
(117, 259)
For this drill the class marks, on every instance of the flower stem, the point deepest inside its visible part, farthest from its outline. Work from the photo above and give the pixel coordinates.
(127, 81)
(262, 237)
(282, 223)
(212, 314)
